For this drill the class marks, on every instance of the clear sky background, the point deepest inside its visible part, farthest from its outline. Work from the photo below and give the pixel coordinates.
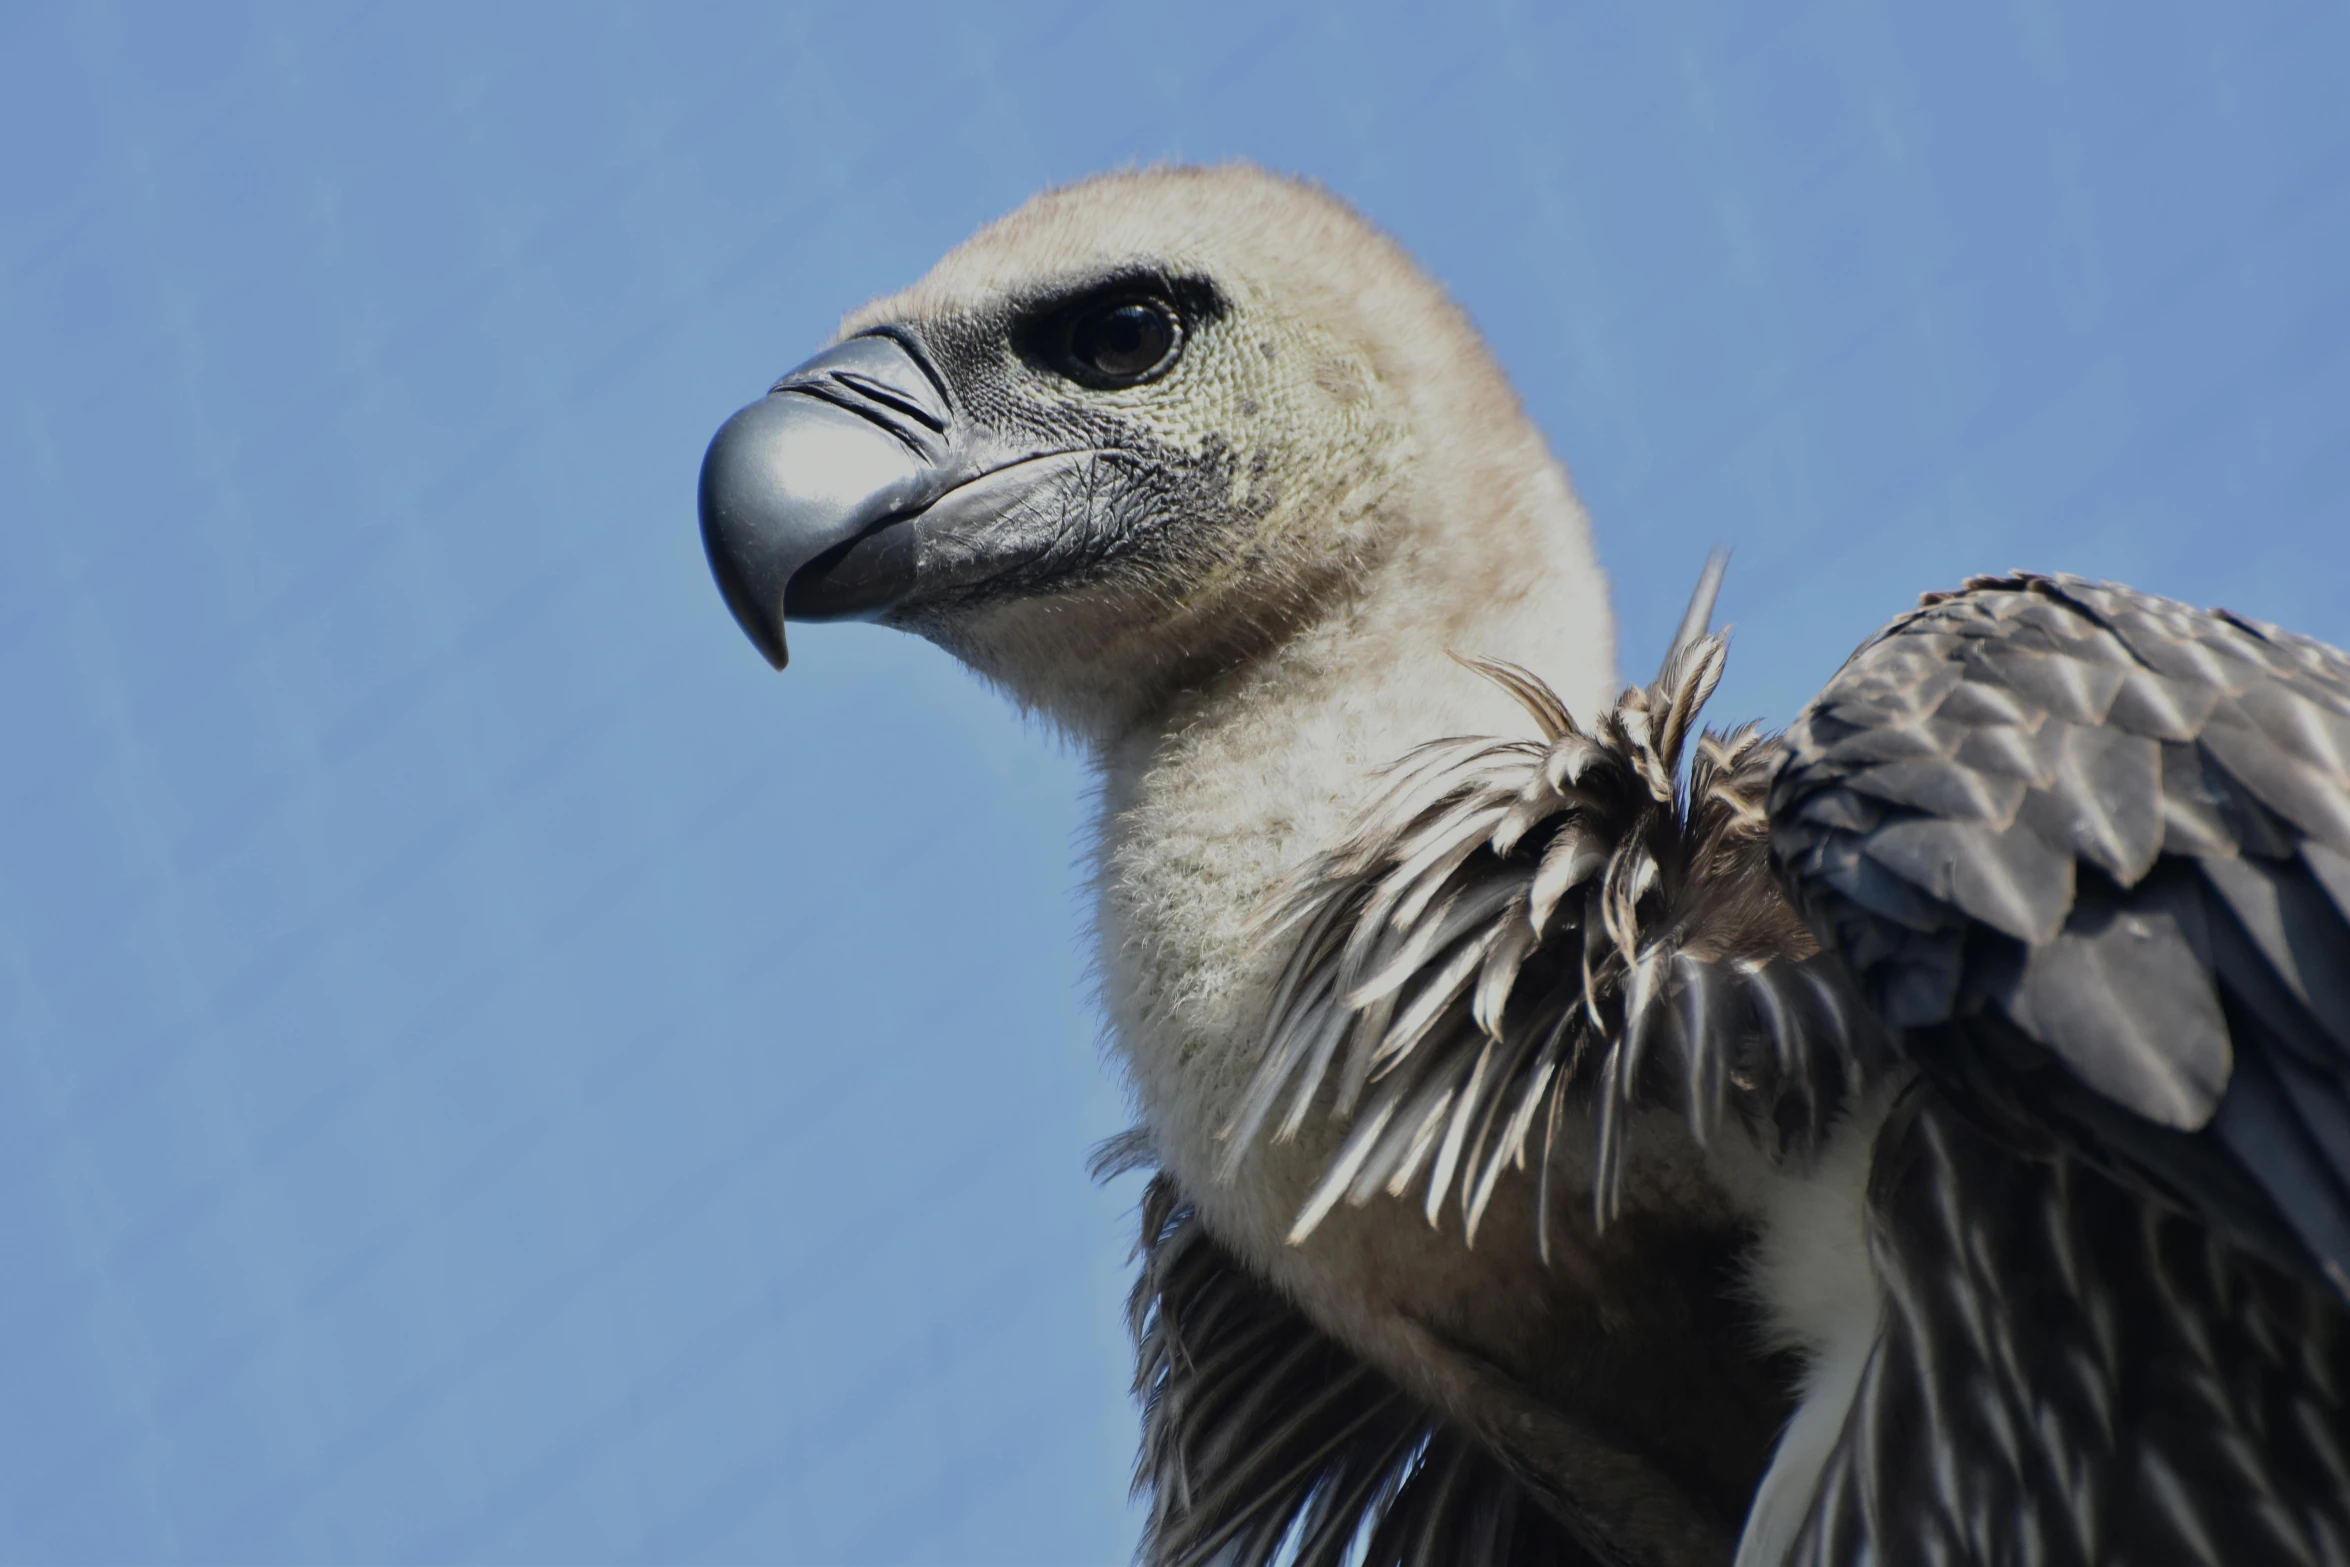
(488, 1072)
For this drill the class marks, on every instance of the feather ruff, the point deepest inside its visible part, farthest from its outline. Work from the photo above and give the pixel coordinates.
(1516, 928)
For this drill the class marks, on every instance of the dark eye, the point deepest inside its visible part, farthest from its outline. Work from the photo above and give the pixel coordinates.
(1122, 343)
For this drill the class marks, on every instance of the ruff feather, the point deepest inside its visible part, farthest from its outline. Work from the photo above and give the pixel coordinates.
(1517, 927)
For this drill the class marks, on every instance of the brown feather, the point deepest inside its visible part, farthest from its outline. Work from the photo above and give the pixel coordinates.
(1514, 923)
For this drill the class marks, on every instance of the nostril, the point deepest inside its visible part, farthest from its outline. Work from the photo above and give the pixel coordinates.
(890, 396)
(881, 415)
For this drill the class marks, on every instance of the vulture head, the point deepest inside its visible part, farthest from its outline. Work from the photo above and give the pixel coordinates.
(1132, 436)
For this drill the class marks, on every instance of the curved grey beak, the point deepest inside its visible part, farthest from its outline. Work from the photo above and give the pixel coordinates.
(808, 495)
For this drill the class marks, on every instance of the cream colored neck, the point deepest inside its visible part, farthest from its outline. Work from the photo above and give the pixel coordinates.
(1202, 811)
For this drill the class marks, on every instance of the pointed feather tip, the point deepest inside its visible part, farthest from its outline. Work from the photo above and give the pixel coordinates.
(1698, 619)
(1122, 1154)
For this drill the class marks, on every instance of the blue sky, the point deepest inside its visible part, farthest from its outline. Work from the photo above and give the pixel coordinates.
(488, 1072)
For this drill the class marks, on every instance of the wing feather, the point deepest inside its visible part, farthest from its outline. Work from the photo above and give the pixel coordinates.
(2134, 858)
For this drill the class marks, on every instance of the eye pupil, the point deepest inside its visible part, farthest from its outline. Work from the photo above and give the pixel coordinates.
(1124, 343)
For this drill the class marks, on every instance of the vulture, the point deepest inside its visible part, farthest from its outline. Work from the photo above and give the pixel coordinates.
(1918, 1136)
